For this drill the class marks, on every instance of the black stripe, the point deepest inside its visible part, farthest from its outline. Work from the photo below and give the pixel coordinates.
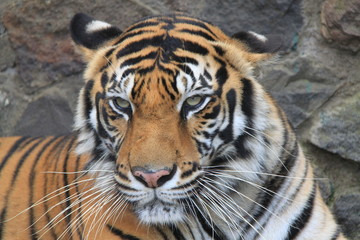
(55, 151)
(142, 25)
(119, 233)
(108, 53)
(195, 48)
(134, 60)
(68, 208)
(243, 151)
(190, 230)
(14, 176)
(273, 185)
(129, 35)
(32, 188)
(163, 81)
(214, 113)
(221, 74)
(219, 50)
(2, 221)
(80, 218)
(23, 159)
(177, 233)
(211, 230)
(162, 233)
(300, 222)
(141, 44)
(200, 24)
(87, 101)
(227, 134)
(198, 33)
(104, 79)
(12, 150)
(183, 59)
(247, 103)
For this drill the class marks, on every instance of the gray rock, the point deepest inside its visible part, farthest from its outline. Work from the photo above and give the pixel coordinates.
(347, 210)
(340, 23)
(6, 51)
(45, 116)
(336, 126)
(325, 185)
(301, 98)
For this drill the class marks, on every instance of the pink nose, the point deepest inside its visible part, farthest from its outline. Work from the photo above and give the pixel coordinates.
(152, 178)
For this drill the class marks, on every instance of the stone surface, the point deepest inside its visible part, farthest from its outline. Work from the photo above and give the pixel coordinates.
(6, 50)
(347, 209)
(341, 23)
(336, 126)
(301, 98)
(45, 116)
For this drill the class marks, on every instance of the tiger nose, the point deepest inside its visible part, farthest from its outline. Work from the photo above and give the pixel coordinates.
(152, 179)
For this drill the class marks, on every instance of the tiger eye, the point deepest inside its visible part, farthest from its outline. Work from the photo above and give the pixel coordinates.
(121, 103)
(193, 101)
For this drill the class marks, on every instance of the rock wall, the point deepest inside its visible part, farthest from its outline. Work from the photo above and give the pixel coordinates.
(316, 81)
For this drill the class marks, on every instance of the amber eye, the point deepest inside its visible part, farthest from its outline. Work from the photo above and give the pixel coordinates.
(194, 101)
(121, 103)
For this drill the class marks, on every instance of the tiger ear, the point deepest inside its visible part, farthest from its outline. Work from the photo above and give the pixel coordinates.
(258, 43)
(90, 35)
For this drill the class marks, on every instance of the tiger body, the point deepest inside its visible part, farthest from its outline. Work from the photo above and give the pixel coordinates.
(174, 139)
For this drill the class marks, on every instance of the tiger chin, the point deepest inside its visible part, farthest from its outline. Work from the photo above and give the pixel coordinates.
(173, 139)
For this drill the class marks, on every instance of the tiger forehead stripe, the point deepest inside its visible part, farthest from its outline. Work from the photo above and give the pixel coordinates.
(167, 33)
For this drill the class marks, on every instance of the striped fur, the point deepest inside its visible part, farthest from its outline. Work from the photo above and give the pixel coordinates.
(174, 139)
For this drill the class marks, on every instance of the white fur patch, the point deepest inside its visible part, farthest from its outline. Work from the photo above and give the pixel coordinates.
(96, 25)
(258, 36)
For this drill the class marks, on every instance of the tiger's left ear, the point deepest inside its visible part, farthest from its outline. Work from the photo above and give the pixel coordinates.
(90, 35)
(258, 43)
(252, 47)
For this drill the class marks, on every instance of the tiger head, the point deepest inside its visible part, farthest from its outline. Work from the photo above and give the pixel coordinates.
(166, 104)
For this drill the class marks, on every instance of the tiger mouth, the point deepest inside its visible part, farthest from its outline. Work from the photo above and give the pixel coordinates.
(159, 212)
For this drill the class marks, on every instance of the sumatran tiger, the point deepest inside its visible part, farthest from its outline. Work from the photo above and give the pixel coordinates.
(173, 139)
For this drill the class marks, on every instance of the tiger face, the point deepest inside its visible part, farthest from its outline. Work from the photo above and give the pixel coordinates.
(166, 103)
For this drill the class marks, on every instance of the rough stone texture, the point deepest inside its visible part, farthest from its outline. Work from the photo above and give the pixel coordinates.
(301, 98)
(347, 208)
(316, 80)
(341, 23)
(336, 126)
(50, 113)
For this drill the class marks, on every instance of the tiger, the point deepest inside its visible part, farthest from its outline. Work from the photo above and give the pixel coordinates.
(174, 138)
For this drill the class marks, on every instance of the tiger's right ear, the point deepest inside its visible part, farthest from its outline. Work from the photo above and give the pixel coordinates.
(90, 35)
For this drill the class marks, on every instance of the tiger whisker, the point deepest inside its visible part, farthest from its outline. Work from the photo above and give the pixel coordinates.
(84, 172)
(55, 220)
(67, 208)
(256, 185)
(225, 201)
(267, 174)
(81, 215)
(105, 214)
(209, 221)
(214, 203)
(242, 195)
(272, 138)
(269, 148)
(46, 198)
